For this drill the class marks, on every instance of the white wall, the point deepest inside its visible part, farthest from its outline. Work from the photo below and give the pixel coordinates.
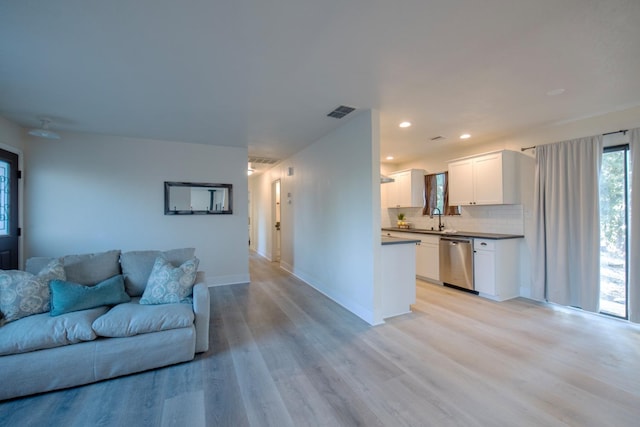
(87, 193)
(261, 220)
(11, 136)
(331, 222)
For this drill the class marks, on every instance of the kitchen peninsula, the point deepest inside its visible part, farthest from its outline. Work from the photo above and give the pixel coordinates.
(495, 269)
(398, 275)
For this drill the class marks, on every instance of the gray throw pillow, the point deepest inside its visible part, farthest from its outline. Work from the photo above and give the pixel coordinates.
(91, 269)
(23, 294)
(168, 284)
(86, 269)
(137, 266)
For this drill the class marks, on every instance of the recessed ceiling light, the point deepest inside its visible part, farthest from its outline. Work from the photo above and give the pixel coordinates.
(555, 92)
(405, 124)
(465, 136)
(389, 157)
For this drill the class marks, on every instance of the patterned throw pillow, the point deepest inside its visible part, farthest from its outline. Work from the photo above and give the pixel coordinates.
(23, 294)
(168, 284)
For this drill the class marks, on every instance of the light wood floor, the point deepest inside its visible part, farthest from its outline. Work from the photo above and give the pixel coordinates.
(284, 355)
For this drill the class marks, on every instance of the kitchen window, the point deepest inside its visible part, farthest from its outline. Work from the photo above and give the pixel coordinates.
(436, 195)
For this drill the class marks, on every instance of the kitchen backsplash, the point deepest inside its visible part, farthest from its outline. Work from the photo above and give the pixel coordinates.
(502, 219)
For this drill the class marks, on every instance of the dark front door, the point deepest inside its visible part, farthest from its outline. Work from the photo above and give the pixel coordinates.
(8, 210)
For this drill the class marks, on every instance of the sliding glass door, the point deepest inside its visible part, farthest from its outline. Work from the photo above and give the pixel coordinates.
(614, 217)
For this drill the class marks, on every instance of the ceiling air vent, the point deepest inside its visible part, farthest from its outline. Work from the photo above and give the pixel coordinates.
(262, 161)
(340, 112)
(437, 138)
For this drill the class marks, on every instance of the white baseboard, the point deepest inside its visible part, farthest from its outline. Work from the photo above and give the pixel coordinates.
(226, 280)
(525, 292)
(289, 269)
(353, 307)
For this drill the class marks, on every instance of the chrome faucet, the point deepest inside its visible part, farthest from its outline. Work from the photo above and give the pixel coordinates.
(440, 224)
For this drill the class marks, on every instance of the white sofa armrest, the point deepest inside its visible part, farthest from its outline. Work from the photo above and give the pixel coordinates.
(201, 310)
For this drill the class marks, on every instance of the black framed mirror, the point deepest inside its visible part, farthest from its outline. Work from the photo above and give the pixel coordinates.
(197, 198)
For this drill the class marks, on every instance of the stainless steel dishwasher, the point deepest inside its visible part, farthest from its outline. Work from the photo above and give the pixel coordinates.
(456, 262)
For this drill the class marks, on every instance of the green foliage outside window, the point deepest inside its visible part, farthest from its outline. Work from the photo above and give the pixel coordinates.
(613, 203)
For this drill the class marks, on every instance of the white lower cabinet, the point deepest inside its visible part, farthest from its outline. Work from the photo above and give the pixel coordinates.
(398, 279)
(495, 268)
(427, 254)
(428, 258)
(421, 254)
(484, 271)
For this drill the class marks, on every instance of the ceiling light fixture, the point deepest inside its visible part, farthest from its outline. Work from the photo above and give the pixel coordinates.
(390, 157)
(405, 124)
(44, 131)
(465, 136)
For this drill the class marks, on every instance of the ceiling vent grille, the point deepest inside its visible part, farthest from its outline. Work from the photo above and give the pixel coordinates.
(340, 112)
(256, 161)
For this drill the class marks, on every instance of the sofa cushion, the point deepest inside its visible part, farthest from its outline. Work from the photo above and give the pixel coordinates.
(43, 331)
(128, 319)
(24, 294)
(68, 296)
(137, 266)
(168, 284)
(86, 269)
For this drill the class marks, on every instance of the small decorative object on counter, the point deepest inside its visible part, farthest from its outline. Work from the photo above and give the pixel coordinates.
(401, 221)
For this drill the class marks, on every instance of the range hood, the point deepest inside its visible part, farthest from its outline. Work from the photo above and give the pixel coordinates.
(386, 179)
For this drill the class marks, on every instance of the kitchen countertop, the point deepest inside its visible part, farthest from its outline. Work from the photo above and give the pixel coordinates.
(474, 234)
(388, 240)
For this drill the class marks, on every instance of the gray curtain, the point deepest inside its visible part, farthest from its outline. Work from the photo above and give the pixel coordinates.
(566, 256)
(634, 228)
(449, 210)
(430, 193)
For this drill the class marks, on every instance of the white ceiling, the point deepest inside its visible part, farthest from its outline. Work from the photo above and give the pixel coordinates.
(264, 74)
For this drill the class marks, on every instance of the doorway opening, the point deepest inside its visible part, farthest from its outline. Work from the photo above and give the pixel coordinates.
(276, 215)
(9, 230)
(614, 231)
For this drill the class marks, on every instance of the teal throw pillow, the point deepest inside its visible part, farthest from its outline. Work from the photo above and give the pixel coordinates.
(168, 284)
(67, 296)
(23, 294)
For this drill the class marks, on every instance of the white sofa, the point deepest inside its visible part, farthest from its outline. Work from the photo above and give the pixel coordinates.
(39, 353)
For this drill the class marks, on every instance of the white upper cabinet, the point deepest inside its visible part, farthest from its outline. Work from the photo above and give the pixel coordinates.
(460, 183)
(488, 179)
(407, 190)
